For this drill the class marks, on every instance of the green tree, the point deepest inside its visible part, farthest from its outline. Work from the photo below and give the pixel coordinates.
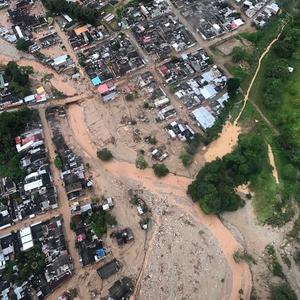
(289, 172)
(58, 162)
(238, 54)
(186, 159)
(129, 97)
(152, 140)
(23, 44)
(214, 185)
(283, 292)
(115, 46)
(140, 162)
(104, 154)
(12, 124)
(160, 170)
(232, 86)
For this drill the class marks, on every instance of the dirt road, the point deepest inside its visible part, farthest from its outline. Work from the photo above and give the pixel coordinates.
(256, 73)
(272, 163)
(171, 185)
(64, 208)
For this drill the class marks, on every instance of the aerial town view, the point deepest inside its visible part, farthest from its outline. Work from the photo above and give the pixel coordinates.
(150, 149)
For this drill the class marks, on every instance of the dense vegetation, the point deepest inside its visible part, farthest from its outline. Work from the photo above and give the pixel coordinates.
(75, 11)
(283, 292)
(18, 78)
(100, 221)
(215, 183)
(31, 262)
(11, 125)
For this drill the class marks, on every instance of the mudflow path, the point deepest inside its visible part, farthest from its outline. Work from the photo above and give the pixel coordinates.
(171, 184)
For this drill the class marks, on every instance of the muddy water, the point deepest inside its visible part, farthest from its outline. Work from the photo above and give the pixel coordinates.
(172, 185)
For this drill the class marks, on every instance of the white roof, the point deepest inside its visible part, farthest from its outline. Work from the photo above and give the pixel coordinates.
(29, 98)
(61, 59)
(238, 22)
(274, 7)
(223, 99)
(208, 76)
(25, 231)
(208, 91)
(105, 207)
(26, 238)
(27, 246)
(204, 118)
(33, 185)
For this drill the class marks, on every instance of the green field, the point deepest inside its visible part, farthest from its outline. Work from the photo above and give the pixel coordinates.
(272, 202)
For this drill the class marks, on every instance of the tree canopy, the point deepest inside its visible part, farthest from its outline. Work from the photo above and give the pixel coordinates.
(160, 170)
(104, 154)
(75, 11)
(23, 44)
(18, 78)
(215, 183)
(30, 262)
(11, 125)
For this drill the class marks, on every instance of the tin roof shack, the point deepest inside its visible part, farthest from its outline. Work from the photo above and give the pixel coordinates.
(5, 217)
(210, 18)
(110, 59)
(6, 97)
(7, 187)
(157, 29)
(72, 172)
(181, 130)
(123, 236)
(88, 223)
(266, 14)
(62, 63)
(185, 66)
(86, 35)
(24, 23)
(109, 269)
(37, 193)
(3, 4)
(121, 289)
(47, 238)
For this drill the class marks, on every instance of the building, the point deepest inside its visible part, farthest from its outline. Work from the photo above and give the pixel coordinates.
(109, 269)
(121, 289)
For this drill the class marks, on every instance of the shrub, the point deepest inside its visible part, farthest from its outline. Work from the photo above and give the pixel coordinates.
(104, 154)
(140, 162)
(186, 159)
(152, 140)
(160, 170)
(129, 97)
(58, 162)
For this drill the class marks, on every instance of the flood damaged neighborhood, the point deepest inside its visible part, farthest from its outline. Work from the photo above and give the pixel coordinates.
(149, 149)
